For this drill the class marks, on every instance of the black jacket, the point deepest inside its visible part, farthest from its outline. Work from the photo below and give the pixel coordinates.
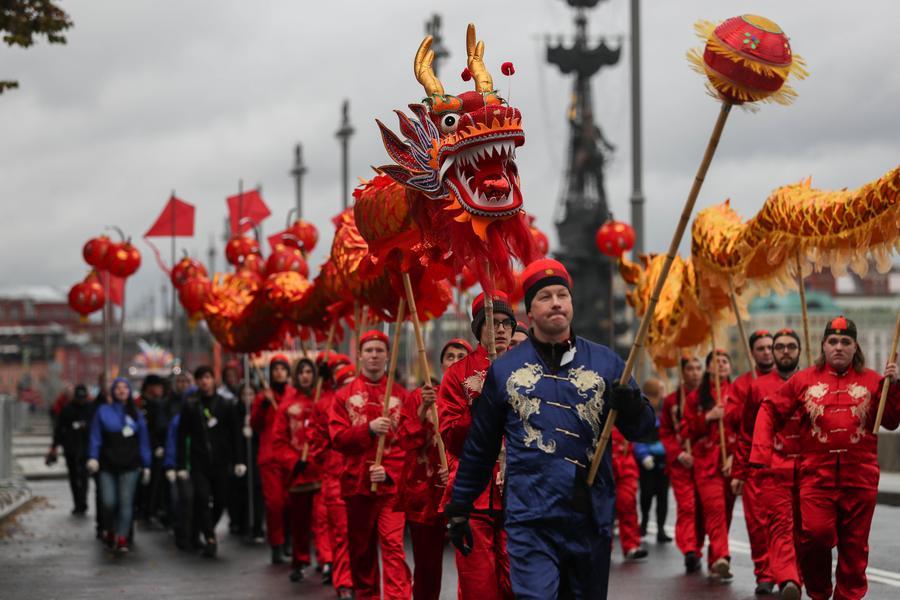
(73, 428)
(209, 434)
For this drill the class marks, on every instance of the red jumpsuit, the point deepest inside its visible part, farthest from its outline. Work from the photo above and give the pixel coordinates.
(291, 431)
(420, 499)
(688, 524)
(838, 469)
(271, 469)
(483, 574)
(371, 517)
(716, 500)
(626, 475)
(754, 498)
(334, 521)
(779, 481)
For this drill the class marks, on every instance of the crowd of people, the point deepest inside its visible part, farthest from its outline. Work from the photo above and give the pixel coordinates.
(334, 464)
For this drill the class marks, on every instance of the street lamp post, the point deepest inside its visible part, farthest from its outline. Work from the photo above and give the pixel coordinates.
(344, 134)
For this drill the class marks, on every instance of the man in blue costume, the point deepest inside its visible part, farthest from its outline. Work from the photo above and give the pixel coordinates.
(548, 398)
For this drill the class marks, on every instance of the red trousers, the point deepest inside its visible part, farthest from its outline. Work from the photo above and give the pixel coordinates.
(688, 524)
(336, 511)
(275, 496)
(301, 504)
(428, 556)
(716, 515)
(484, 574)
(372, 522)
(832, 517)
(781, 518)
(755, 500)
(321, 536)
(626, 512)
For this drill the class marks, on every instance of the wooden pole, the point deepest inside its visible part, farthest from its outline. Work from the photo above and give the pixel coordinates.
(718, 382)
(681, 401)
(385, 411)
(423, 361)
(660, 282)
(802, 288)
(264, 382)
(887, 381)
(489, 317)
(740, 324)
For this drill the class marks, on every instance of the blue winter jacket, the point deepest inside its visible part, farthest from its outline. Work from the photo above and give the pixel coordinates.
(551, 424)
(169, 458)
(119, 441)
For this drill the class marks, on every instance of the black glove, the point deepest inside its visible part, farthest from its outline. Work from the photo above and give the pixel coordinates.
(626, 401)
(299, 467)
(50, 459)
(461, 534)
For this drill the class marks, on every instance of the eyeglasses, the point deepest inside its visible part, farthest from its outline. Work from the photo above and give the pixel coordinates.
(504, 324)
(789, 347)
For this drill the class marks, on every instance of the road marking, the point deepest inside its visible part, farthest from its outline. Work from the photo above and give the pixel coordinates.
(890, 578)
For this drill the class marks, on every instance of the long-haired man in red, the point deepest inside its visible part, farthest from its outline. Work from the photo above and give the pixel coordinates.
(703, 416)
(425, 481)
(332, 465)
(291, 439)
(679, 463)
(752, 497)
(626, 475)
(484, 573)
(355, 422)
(838, 399)
(778, 499)
(272, 470)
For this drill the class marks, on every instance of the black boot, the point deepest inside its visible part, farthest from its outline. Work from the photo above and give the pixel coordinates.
(210, 547)
(277, 557)
(662, 537)
(691, 562)
(790, 591)
(297, 574)
(764, 588)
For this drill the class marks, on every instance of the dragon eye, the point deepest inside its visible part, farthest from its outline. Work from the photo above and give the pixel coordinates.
(449, 123)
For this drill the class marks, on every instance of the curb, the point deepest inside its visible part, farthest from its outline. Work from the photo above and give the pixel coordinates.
(13, 494)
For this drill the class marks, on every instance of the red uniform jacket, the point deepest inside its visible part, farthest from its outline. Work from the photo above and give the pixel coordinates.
(291, 430)
(460, 387)
(670, 426)
(734, 420)
(322, 451)
(353, 407)
(623, 462)
(421, 489)
(837, 411)
(786, 442)
(262, 418)
(704, 435)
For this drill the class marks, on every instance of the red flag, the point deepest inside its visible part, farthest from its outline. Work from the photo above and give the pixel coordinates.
(175, 220)
(246, 211)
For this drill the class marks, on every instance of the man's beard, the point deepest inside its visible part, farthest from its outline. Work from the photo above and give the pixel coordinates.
(789, 367)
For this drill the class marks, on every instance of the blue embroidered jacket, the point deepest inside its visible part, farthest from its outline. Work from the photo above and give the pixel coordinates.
(551, 424)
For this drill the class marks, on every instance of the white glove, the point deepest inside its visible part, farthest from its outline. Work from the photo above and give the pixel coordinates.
(145, 476)
(93, 465)
(183, 475)
(248, 432)
(159, 452)
(170, 475)
(240, 470)
(648, 463)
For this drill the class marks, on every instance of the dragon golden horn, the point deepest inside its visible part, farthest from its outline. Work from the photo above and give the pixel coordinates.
(423, 70)
(475, 52)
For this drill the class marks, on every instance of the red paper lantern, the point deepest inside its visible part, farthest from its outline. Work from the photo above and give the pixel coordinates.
(87, 297)
(185, 269)
(122, 259)
(254, 262)
(467, 279)
(285, 258)
(193, 294)
(237, 249)
(615, 238)
(95, 251)
(306, 234)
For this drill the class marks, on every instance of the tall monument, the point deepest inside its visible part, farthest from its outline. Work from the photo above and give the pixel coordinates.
(583, 207)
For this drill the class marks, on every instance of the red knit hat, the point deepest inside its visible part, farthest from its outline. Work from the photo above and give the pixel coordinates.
(374, 334)
(279, 359)
(540, 274)
(459, 342)
(501, 305)
(344, 374)
(840, 326)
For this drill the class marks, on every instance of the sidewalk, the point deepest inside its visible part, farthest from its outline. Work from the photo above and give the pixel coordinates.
(889, 489)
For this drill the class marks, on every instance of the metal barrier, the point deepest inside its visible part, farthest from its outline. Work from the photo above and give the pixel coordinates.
(7, 415)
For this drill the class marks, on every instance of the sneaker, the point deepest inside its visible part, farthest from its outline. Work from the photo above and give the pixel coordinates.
(210, 548)
(662, 537)
(326, 574)
(277, 558)
(721, 569)
(764, 588)
(643, 529)
(345, 594)
(297, 574)
(110, 539)
(692, 562)
(635, 554)
(790, 591)
(122, 545)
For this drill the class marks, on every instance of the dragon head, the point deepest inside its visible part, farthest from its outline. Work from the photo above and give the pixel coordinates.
(459, 150)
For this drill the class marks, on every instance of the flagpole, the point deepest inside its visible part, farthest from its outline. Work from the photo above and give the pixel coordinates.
(172, 284)
(122, 331)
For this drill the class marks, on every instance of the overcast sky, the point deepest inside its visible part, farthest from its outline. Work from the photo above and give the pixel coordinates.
(151, 96)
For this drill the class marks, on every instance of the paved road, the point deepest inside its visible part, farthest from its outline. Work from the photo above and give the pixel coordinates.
(47, 553)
